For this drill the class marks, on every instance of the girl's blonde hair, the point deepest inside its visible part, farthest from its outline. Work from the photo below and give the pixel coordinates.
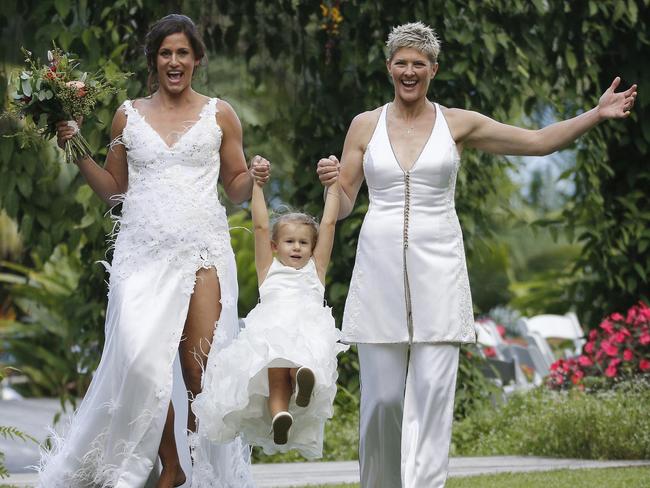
(294, 218)
(416, 35)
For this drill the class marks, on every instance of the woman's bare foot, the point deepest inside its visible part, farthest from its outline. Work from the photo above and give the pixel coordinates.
(171, 477)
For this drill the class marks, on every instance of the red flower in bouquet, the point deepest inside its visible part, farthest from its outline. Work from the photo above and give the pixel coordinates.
(628, 355)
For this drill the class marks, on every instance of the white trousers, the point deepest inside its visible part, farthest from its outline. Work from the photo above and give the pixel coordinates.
(407, 407)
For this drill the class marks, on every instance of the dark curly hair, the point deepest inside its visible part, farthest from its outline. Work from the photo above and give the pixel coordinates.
(168, 25)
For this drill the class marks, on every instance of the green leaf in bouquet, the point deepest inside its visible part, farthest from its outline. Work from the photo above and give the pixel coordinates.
(26, 87)
(25, 75)
(41, 95)
(42, 122)
(48, 94)
(39, 82)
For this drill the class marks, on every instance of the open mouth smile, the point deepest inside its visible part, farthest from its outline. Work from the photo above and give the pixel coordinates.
(174, 76)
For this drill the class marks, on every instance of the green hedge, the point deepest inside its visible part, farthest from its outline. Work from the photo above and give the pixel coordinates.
(611, 424)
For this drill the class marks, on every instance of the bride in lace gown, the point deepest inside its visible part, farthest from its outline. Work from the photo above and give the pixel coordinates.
(173, 283)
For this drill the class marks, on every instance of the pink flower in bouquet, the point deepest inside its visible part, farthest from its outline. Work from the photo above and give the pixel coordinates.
(585, 361)
(607, 326)
(617, 317)
(79, 85)
(589, 347)
(501, 330)
(593, 334)
(610, 349)
(628, 355)
(644, 365)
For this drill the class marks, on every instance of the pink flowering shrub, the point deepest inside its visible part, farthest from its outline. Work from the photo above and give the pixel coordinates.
(619, 348)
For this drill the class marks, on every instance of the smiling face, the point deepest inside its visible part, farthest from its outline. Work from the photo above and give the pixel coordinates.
(294, 244)
(175, 63)
(411, 71)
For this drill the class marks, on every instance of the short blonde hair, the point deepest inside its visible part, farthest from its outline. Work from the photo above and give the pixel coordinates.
(416, 35)
(295, 218)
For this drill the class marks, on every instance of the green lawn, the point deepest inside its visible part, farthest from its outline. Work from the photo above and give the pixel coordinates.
(580, 478)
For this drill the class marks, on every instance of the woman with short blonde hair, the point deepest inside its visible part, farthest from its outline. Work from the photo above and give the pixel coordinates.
(409, 304)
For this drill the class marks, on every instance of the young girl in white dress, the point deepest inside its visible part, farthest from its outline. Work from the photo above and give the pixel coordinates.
(276, 383)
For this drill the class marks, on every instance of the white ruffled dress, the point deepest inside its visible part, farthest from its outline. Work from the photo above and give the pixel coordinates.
(289, 328)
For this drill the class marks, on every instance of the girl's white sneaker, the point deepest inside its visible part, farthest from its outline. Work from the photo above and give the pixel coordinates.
(280, 427)
(304, 386)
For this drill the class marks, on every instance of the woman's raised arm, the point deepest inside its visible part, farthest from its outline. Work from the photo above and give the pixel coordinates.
(478, 131)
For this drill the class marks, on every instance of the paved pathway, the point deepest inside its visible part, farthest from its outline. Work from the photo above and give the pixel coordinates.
(332, 473)
(31, 416)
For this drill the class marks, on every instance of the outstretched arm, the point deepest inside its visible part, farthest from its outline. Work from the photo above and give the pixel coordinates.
(323, 249)
(112, 179)
(263, 251)
(478, 131)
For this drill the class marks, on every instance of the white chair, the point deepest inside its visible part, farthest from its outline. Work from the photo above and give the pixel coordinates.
(487, 335)
(542, 346)
(484, 335)
(557, 326)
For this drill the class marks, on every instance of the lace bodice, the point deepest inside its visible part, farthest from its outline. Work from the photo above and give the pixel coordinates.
(171, 209)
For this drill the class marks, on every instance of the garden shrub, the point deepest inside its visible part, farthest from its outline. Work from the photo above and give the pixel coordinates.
(601, 424)
(618, 349)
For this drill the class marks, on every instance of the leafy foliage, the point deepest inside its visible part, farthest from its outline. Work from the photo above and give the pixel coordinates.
(50, 340)
(610, 424)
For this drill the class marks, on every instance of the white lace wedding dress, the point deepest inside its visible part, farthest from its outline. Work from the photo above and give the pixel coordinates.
(171, 225)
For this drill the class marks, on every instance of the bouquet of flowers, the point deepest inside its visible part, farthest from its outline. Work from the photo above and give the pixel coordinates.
(59, 90)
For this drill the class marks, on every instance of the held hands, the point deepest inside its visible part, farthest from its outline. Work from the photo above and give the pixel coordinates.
(616, 105)
(260, 170)
(65, 129)
(328, 170)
